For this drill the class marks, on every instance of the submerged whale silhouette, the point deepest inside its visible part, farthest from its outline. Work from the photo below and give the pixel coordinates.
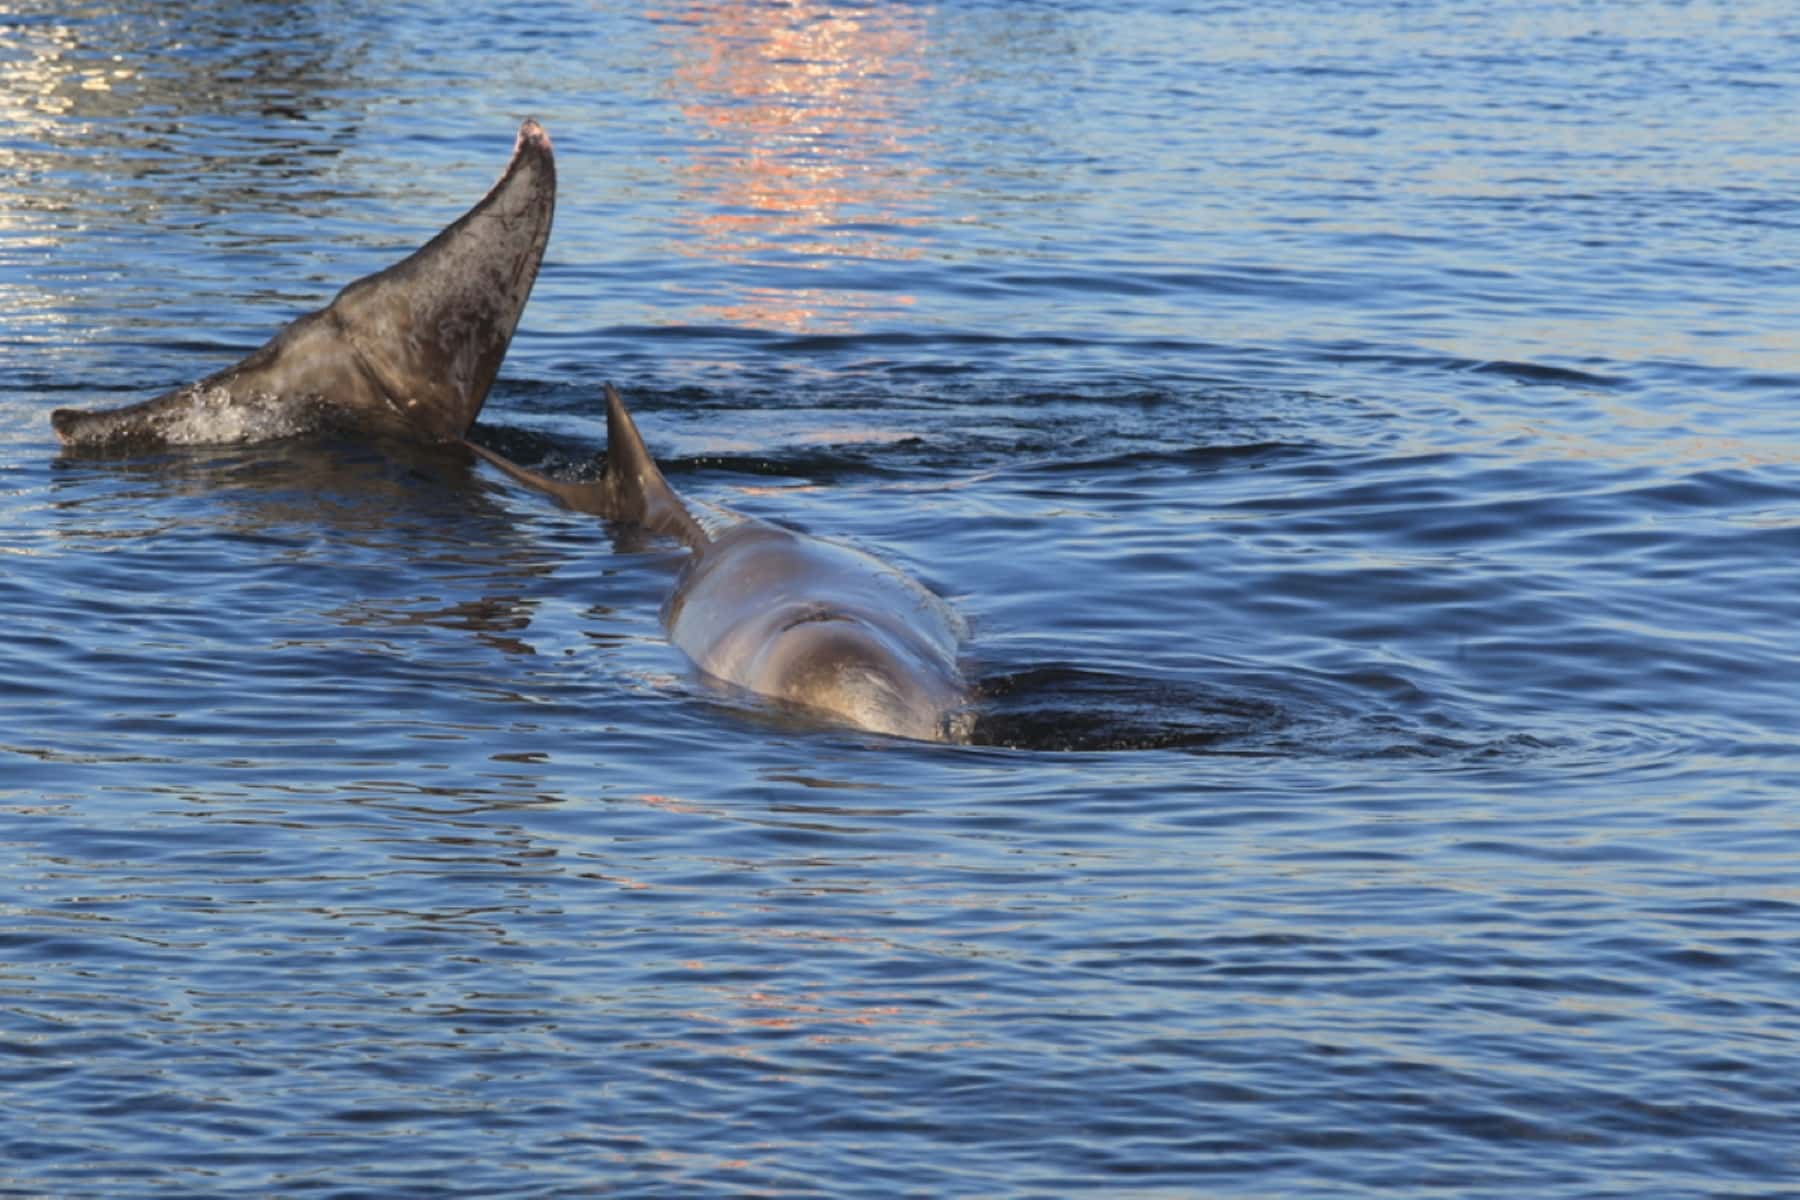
(409, 352)
(812, 624)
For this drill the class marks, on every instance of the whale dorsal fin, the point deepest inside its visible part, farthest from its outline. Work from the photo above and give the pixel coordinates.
(644, 495)
(633, 489)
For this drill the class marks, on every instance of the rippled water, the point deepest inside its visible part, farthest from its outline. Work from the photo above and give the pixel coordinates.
(1362, 439)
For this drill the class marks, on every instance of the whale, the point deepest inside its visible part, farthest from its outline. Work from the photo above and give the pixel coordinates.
(815, 626)
(407, 353)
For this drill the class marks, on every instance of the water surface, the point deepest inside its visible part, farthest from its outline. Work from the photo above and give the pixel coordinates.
(1362, 440)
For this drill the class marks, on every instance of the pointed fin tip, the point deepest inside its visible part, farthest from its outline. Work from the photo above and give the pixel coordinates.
(533, 135)
(626, 454)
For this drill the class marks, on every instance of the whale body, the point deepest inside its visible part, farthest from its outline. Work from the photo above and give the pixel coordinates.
(812, 624)
(409, 352)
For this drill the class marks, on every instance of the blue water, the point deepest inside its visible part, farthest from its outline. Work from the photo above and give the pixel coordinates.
(1362, 436)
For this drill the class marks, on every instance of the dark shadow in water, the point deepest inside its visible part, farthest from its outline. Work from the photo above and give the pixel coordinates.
(281, 480)
(1062, 707)
(359, 509)
(1069, 708)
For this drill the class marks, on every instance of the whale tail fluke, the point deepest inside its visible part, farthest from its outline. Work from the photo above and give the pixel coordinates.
(433, 328)
(407, 352)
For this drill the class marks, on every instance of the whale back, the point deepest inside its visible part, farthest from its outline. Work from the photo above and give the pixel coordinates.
(822, 627)
(819, 626)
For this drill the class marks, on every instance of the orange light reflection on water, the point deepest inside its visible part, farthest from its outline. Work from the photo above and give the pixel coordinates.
(804, 149)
